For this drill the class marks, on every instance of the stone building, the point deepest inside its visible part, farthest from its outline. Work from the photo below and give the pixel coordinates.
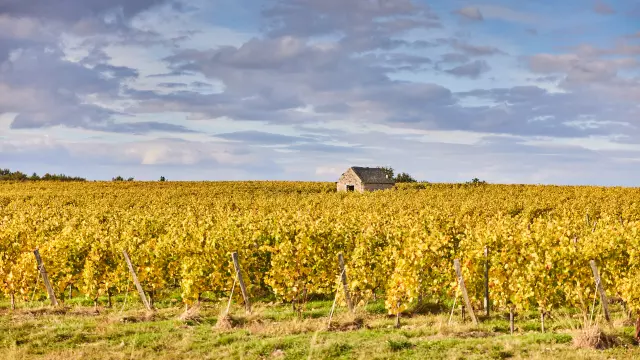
(363, 179)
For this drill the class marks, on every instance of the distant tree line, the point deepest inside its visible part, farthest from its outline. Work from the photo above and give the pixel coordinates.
(476, 181)
(120, 178)
(8, 175)
(403, 177)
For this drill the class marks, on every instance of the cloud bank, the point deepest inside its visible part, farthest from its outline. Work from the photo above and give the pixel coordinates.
(288, 89)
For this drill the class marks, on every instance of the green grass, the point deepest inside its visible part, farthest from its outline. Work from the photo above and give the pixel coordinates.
(276, 331)
(399, 345)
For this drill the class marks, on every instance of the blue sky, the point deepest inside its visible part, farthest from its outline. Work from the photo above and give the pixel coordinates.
(507, 91)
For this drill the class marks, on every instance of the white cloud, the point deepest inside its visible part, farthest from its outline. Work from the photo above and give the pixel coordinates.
(327, 85)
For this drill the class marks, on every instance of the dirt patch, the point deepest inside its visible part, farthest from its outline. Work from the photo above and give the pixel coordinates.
(355, 324)
(147, 316)
(44, 311)
(84, 312)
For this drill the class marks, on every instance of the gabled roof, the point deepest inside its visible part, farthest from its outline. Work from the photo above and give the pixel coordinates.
(372, 175)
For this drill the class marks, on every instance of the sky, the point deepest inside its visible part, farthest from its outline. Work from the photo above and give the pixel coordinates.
(530, 91)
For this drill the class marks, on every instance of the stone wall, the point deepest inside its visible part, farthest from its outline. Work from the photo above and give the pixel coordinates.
(349, 178)
(374, 187)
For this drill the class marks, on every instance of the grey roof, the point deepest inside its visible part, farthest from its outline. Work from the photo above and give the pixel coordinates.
(372, 175)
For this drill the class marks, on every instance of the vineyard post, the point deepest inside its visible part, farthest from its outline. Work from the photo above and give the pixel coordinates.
(398, 315)
(333, 308)
(143, 297)
(343, 278)
(512, 324)
(627, 312)
(603, 295)
(45, 278)
(463, 289)
(13, 301)
(486, 280)
(243, 288)
(233, 287)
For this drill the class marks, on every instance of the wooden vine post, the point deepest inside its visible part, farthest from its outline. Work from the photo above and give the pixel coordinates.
(463, 289)
(45, 278)
(333, 308)
(486, 281)
(345, 286)
(243, 288)
(512, 324)
(398, 315)
(143, 297)
(603, 295)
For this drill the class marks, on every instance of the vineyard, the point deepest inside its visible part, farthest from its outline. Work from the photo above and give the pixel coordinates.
(398, 245)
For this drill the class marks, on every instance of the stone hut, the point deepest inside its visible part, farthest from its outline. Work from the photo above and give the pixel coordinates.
(363, 179)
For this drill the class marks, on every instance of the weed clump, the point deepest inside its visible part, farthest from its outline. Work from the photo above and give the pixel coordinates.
(192, 314)
(225, 322)
(594, 338)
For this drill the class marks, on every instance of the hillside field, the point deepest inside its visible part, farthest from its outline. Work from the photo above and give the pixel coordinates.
(397, 295)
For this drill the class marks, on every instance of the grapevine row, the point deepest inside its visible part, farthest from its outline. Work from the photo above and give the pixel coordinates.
(399, 244)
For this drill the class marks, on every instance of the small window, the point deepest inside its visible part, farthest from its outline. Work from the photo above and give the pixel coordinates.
(351, 188)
